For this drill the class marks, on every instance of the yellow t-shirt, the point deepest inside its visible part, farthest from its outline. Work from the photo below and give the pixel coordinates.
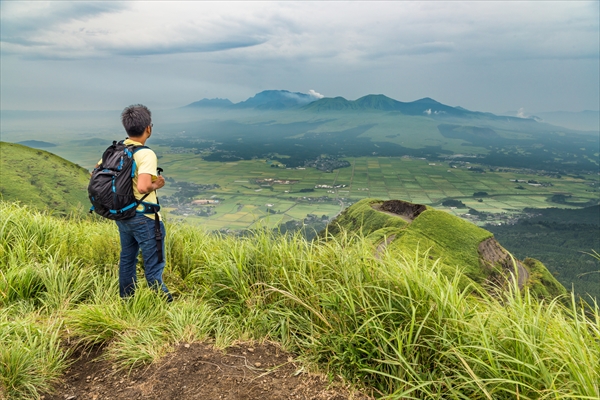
(146, 163)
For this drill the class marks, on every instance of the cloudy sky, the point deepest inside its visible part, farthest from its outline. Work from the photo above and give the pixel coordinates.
(481, 55)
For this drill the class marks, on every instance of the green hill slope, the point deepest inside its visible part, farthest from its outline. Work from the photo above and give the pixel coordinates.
(403, 228)
(42, 179)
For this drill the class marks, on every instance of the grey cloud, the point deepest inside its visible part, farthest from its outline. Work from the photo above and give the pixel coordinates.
(66, 54)
(22, 27)
(429, 48)
(413, 50)
(21, 41)
(38, 33)
(19, 23)
(187, 48)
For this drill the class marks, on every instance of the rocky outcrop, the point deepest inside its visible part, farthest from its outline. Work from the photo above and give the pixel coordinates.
(493, 255)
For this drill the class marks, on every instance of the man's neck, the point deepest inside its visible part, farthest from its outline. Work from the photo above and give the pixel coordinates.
(145, 135)
(141, 140)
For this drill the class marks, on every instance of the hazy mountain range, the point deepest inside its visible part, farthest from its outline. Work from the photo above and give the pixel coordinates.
(285, 100)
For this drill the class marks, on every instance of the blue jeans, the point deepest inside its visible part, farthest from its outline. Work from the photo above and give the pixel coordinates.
(138, 233)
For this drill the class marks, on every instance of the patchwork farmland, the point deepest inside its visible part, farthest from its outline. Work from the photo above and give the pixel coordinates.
(247, 199)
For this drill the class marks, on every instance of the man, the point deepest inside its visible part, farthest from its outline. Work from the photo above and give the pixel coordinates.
(138, 232)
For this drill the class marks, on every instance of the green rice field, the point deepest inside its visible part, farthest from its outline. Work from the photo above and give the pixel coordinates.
(243, 200)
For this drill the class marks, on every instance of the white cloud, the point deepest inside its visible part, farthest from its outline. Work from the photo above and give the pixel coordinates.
(315, 94)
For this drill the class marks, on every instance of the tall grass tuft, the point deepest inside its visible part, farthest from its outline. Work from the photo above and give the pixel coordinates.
(193, 321)
(31, 358)
(30, 236)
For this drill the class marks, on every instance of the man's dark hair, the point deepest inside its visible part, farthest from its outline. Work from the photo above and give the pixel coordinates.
(136, 118)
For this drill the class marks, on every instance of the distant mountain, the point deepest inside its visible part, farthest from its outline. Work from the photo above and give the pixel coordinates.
(285, 100)
(218, 103)
(265, 100)
(587, 120)
(331, 104)
(38, 144)
(377, 102)
(276, 100)
(425, 106)
(42, 179)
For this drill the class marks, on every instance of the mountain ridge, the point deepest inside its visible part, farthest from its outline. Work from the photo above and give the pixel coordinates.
(265, 100)
(380, 102)
(286, 100)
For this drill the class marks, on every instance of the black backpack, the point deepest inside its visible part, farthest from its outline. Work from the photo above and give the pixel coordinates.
(111, 186)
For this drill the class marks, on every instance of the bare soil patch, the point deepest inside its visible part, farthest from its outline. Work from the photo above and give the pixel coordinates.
(403, 209)
(199, 371)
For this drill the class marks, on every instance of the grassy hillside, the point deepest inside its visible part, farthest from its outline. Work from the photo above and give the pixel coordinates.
(451, 238)
(392, 323)
(438, 235)
(42, 179)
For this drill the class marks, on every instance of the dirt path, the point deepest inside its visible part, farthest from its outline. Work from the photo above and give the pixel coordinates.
(383, 246)
(198, 371)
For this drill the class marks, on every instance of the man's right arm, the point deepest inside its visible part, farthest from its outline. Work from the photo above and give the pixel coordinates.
(146, 185)
(147, 165)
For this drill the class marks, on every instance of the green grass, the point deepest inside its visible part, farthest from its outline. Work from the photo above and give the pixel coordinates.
(393, 323)
(31, 356)
(452, 239)
(42, 179)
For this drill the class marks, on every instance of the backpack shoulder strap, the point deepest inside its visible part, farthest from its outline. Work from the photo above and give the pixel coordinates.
(136, 148)
(132, 147)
